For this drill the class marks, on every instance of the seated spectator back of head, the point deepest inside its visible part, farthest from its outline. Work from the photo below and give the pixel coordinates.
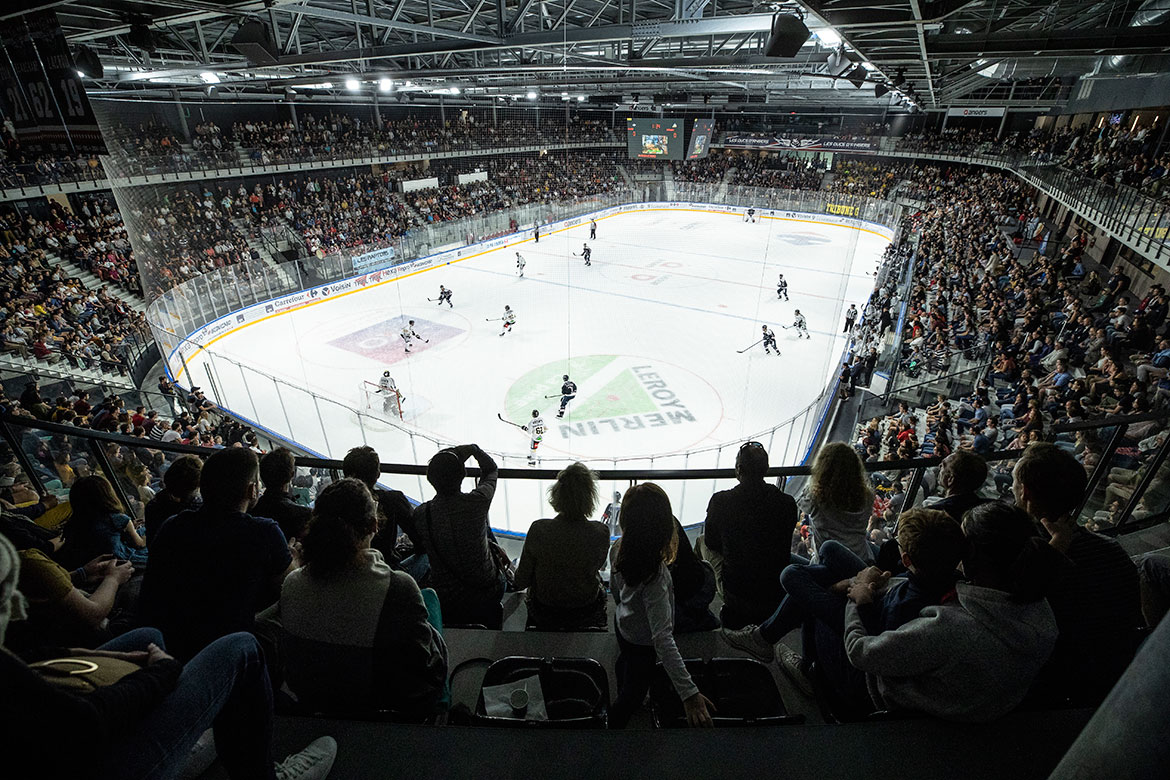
(1097, 599)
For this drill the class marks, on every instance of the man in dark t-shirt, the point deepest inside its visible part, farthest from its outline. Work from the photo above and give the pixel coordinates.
(750, 528)
(1097, 600)
(212, 569)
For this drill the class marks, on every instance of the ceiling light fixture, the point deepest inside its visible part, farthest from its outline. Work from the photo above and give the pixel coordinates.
(385, 84)
(353, 85)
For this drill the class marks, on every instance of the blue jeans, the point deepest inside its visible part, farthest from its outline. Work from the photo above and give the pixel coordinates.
(807, 589)
(224, 687)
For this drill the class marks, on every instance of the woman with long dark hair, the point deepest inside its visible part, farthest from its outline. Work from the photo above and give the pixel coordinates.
(99, 526)
(644, 593)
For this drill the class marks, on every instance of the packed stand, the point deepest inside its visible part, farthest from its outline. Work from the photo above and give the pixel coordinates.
(46, 314)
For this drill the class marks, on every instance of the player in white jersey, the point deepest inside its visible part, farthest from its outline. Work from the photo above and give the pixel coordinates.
(770, 341)
(568, 393)
(801, 325)
(520, 265)
(535, 428)
(781, 288)
(445, 295)
(509, 319)
(750, 215)
(408, 335)
(389, 392)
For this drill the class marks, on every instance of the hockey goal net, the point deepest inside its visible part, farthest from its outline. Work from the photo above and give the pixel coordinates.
(386, 404)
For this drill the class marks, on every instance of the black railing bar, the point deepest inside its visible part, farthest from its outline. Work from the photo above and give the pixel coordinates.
(1101, 469)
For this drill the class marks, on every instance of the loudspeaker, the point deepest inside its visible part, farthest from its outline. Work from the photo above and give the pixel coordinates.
(880, 90)
(88, 63)
(141, 36)
(788, 35)
(857, 76)
(253, 41)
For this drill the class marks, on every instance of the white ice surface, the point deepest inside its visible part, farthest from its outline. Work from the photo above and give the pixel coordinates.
(649, 332)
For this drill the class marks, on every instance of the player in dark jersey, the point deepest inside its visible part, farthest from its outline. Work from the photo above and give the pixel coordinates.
(568, 393)
(445, 295)
(770, 341)
(781, 288)
(587, 253)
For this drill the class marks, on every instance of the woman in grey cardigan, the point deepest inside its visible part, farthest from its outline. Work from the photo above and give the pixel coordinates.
(838, 500)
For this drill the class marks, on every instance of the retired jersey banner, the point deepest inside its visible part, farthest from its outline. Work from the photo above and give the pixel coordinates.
(800, 144)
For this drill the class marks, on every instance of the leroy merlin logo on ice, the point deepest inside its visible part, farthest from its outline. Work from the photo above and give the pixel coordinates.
(616, 395)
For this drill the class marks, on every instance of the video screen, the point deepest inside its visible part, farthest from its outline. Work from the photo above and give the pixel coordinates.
(655, 139)
(701, 133)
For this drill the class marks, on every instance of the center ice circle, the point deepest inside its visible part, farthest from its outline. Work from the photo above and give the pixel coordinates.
(635, 405)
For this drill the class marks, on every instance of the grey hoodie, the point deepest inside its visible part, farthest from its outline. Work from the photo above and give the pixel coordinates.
(969, 660)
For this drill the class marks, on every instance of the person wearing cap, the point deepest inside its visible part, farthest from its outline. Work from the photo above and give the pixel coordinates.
(453, 528)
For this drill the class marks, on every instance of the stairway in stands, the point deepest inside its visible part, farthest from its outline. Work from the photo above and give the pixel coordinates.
(91, 281)
(260, 248)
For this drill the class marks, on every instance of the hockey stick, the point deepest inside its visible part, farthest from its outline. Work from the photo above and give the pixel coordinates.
(493, 319)
(556, 395)
(521, 427)
(745, 349)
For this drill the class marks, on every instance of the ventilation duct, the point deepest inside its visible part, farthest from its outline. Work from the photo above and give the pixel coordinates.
(1151, 14)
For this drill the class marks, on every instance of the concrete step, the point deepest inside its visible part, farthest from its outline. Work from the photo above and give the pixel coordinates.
(92, 281)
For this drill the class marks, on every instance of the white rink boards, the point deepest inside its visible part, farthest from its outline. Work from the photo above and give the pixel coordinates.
(649, 332)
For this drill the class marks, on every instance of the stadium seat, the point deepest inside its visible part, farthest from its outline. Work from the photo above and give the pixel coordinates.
(575, 692)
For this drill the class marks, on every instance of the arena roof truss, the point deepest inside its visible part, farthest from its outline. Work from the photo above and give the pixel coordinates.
(935, 54)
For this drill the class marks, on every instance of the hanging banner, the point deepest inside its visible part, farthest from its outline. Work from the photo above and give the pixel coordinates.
(800, 144)
(975, 113)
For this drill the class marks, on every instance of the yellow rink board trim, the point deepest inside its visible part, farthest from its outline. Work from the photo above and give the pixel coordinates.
(307, 304)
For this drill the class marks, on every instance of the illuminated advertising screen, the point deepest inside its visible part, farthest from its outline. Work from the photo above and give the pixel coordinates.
(700, 143)
(655, 139)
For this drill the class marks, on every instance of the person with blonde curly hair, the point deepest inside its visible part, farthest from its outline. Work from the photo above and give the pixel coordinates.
(838, 500)
(562, 556)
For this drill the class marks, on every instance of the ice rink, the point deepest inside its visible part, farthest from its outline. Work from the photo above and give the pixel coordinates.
(649, 332)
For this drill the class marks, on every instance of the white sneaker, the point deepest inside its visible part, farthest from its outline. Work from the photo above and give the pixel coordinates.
(201, 757)
(751, 642)
(312, 763)
(790, 664)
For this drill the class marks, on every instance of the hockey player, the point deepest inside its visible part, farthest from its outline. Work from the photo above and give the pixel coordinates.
(535, 428)
(612, 514)
(850, 318)
(592, 229)
(509, 319)
(389, 392)
(520, 265)
(568, 393)
(587, 253)
(750, 216)
(408, 335)
(770, 341)
(781, 288)
(445, 295)
(801, 325)
(536, 233)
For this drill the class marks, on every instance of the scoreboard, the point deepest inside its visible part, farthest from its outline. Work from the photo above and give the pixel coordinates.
(655, 139)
